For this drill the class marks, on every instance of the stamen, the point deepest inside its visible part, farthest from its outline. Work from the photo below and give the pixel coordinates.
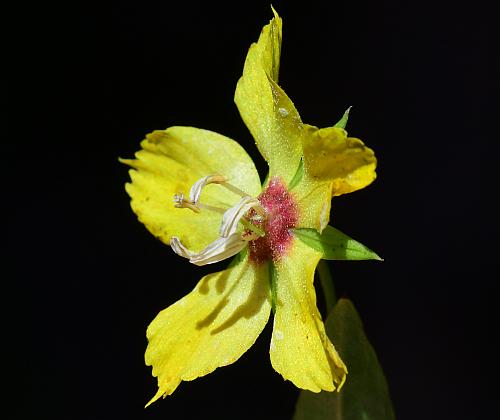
(235, 214)
(179, 248)
(234, 189)
(178, 199)
(231, 242)
(198, 186)
(194, 194)
(181, 202)
(218, 250)
(211, 208)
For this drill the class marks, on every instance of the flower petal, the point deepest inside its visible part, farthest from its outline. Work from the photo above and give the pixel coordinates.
(314, 199)
(300, 349)
(210, 327)
(334, 164)
(173, 160)
(267, 111)
(330, 155)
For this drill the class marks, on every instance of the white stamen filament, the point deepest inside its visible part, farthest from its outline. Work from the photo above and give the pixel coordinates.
(194, 194)
(234, 189)
(233, 216)
(218, 250)
(211, 208)
(180, 249)
(230, 241)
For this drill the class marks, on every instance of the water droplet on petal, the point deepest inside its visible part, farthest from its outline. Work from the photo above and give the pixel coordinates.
(283, 112)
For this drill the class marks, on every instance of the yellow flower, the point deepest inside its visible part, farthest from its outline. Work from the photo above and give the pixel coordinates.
(228, 212)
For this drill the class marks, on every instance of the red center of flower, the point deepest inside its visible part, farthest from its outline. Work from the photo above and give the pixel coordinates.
(282, 215)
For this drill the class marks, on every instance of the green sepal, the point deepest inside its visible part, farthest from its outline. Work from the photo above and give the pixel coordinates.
(335, 245)
(343, 121)
(365, 394)
(298, 175)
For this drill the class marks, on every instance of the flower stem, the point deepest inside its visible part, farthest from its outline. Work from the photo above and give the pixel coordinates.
(325, 277)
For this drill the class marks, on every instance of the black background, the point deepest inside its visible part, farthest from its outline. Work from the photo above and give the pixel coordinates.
(88, 82)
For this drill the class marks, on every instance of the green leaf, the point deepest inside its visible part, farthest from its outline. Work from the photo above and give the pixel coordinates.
(365, 394)
(343, 121)
(335, 245)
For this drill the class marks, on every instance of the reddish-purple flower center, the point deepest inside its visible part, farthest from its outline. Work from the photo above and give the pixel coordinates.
(281, 216)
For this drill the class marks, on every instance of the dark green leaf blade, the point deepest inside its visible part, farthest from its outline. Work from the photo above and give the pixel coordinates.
(335, 245)
(365, 394)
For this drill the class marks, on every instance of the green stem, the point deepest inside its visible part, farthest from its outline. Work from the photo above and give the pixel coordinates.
(326, 280)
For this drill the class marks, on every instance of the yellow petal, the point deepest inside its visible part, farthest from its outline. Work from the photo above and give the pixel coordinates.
(300, 349)
(267, 111)
(330, 155)
(314, 199)
(210, 327)
(173, 160)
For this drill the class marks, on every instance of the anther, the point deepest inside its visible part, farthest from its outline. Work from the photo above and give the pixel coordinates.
(182, 203)
(194, 194)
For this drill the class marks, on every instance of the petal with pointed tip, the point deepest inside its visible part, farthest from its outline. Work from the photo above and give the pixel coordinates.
(210, 327)
(265, 108)
(300, 349)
